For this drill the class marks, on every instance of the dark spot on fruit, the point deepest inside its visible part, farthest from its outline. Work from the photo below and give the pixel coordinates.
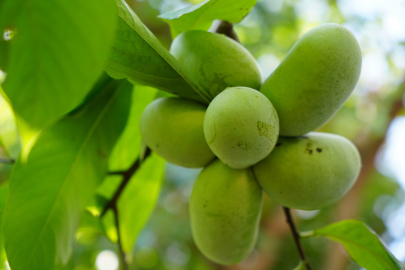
(244, 145)
(309, 151)
(278, 144)
(319, 150)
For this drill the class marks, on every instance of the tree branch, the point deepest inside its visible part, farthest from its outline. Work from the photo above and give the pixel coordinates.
(296, 236)
(7, 160)
(127, 175)
(226, 28)
(123, 261)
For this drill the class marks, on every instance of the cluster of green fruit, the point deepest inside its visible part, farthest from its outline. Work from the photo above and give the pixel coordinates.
(241, 127)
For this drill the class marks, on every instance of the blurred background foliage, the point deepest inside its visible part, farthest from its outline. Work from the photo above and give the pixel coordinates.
(373, 118)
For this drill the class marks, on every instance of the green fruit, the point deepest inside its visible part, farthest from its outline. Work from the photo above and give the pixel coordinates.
(241, 127)
(215, 61)
(173, 128)
(309, 172)
(225, 208)
(315, 78)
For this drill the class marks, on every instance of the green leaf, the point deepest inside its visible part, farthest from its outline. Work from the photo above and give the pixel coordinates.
(8, 130)
(301, 266)
(58, 52)
(89, 229)
(138, 55)
(201, 16)
(50, 190)
(139, 198)
(129, 144)
(362, 243)
(3, 197)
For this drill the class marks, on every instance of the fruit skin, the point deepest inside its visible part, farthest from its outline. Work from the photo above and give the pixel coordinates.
(215, 61)
(225, 209)
(173, 128)
(309, 172)
(241, 127)
(315, 78)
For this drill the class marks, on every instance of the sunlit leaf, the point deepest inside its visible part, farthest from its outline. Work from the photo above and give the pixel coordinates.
(138, 55)
(202, 15)
(49, 192)
(362, 243)
(58, 51)
(129, 144)
(139, 198)
(8, 130)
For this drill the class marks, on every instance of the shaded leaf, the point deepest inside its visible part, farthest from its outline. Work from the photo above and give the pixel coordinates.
(201, 16)
(362, 243)
(139, 198)
(128, 146)
(51, 189)
(58, 52)
(138, 55)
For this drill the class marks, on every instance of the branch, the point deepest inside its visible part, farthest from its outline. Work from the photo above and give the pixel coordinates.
(127, 175)
(121, 252)
(7, 160)
(296, 236)
(226, 28)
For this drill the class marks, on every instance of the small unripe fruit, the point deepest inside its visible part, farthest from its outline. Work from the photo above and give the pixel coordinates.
(309, 172)
(241, 127)
(215, 61)
(173, 128)
(225, 208)
(315, 78)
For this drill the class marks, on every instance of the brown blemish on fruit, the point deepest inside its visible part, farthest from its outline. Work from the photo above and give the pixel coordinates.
(264, 129)
(309, 146)
(319, 150)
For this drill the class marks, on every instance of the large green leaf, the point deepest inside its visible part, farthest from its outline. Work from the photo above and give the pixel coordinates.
(50, 190)
(129, 144)
(138, 55)
(362, 243)
(202, 15)
(139, 198)
(3, 197)
(58, 52)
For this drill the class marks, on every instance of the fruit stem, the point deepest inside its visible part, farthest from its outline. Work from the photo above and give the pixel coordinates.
(127, 175)
(224, 27)
(296, 236)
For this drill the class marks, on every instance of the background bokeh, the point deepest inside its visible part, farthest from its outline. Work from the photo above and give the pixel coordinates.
(373, 118)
